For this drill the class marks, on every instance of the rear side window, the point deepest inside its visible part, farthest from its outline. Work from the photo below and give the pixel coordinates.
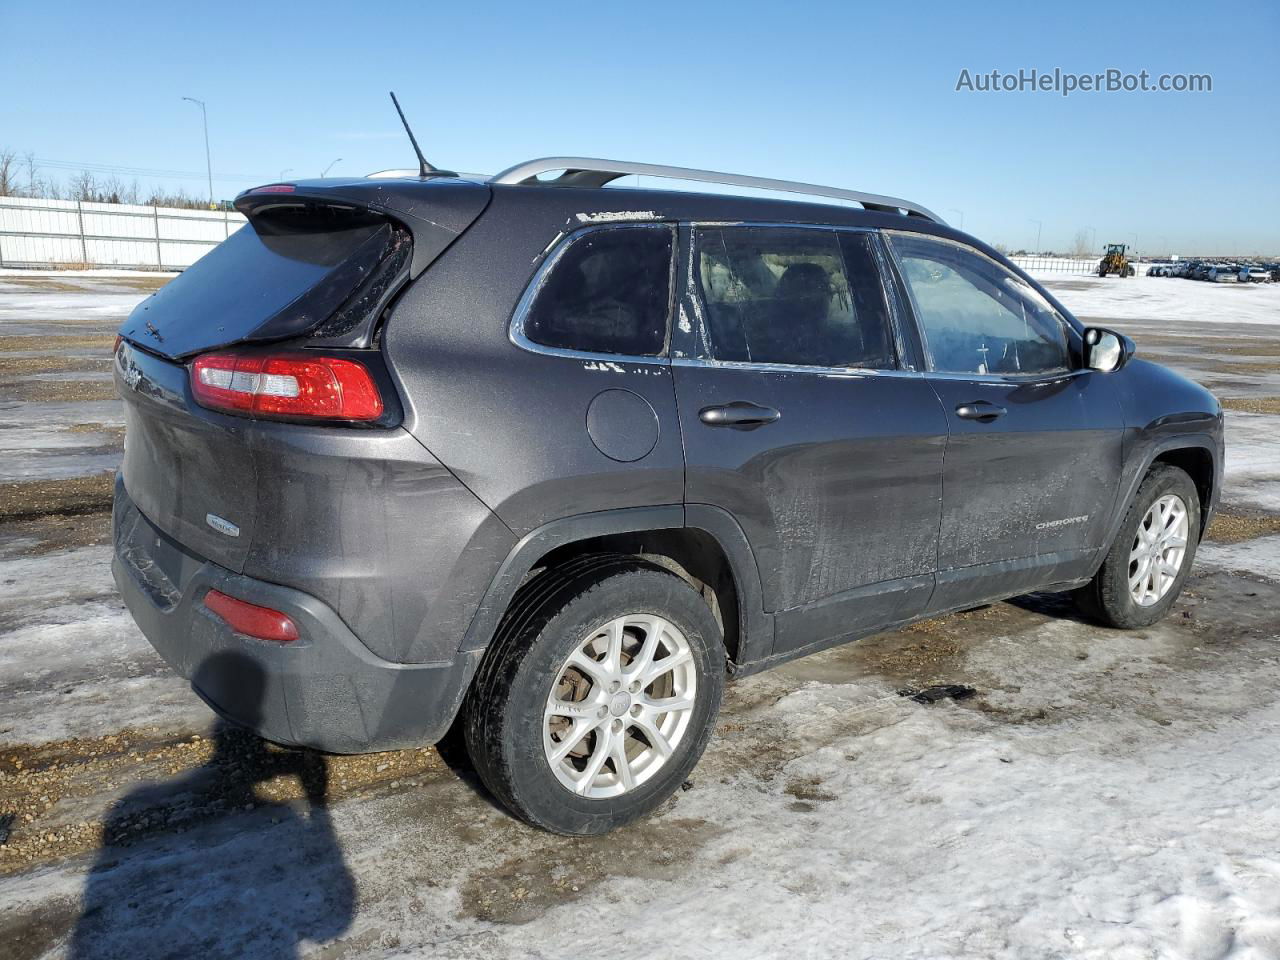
(976, 316)
(608, 292)
(791, 295)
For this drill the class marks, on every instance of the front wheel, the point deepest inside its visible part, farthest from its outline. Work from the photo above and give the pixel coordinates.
(598, 697)
(1150, 560)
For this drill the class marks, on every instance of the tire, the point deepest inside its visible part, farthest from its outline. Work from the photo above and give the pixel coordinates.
(1108, 597)
(512, 731)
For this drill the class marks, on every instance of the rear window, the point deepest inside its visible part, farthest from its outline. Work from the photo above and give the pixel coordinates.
(608, 292)
(281, 275)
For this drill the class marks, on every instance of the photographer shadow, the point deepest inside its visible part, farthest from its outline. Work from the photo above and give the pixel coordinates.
(205, 866)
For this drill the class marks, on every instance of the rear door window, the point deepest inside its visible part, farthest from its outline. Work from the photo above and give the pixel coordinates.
(608, 292)
(790, 295)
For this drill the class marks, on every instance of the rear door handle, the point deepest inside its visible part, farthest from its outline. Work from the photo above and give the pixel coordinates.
(980, 410)
(739, 414)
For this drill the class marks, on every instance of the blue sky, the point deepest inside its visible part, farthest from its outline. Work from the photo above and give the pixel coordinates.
(856, 95)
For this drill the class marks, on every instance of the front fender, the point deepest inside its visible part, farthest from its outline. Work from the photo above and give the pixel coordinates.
(1164, 412)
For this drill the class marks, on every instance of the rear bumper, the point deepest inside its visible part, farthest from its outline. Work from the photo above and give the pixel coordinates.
(325, 690)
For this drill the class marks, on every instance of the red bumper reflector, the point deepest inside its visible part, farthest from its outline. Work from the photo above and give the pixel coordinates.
(251, 619)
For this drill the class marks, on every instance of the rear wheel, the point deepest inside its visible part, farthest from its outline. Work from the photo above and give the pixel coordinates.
(1151, 557)
(598, 697)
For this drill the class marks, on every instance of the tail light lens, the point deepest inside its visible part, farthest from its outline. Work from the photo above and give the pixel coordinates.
(286, 385)
(251, 619)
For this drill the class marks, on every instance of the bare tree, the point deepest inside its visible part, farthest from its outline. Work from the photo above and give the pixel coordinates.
(1081, 248)
(180, 198)
(36, 186)
(84, 187)
(8, 173)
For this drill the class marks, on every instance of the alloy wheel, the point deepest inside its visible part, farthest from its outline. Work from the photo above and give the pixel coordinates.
(1159, 547)
(619, 706)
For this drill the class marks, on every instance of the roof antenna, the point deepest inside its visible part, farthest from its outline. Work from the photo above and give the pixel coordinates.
(424, 169)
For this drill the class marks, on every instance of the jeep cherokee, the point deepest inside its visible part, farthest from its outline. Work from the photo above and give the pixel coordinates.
(553, 459)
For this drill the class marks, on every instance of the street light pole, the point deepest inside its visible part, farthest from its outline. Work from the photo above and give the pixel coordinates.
(961, 212)
(325, 172)
(283, 172)
(208, 164)
(1038, 226)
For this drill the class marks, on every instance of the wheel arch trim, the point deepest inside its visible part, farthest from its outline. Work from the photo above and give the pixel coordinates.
(1153, 452)
(755, 625)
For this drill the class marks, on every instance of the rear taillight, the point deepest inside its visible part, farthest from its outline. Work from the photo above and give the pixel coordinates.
(251, 619)
(286, 385)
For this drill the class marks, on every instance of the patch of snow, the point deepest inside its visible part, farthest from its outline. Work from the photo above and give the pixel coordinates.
(72, 661)
(96, 272)
(1260, 557)
(1252, 469)
(39, 452)
(1166, 299)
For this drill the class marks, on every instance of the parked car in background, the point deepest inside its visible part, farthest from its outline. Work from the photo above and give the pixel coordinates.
(1254, 275)
(1223, 273)
(553, 460)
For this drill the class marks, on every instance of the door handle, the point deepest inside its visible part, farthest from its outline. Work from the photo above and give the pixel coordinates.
(739, 414)
(981, 410)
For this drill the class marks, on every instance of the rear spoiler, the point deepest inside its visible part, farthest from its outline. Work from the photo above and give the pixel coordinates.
(435, 211)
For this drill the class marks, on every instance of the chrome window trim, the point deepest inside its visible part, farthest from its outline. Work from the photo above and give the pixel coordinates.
(557, 249)
(694, 294)
(1047, 376)
(791, 368)
(1024, 379)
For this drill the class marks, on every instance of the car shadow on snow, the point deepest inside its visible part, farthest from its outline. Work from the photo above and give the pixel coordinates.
(253, 879)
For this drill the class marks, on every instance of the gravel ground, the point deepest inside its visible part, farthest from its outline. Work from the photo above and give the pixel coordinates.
(1102, 795)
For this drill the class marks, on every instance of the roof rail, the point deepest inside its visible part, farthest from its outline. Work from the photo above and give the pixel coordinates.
(590, 172)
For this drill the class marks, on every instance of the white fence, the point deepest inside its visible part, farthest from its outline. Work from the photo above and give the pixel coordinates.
(52, 233)
(1033, 264)
(1038, 266)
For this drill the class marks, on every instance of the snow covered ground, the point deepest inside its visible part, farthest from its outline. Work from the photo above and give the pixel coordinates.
(1167, 299)
(1104, 795)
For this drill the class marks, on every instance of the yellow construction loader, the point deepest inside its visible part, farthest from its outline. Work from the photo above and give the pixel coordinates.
(1115, 262)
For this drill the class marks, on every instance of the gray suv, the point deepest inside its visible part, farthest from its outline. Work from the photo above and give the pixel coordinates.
(551, 460)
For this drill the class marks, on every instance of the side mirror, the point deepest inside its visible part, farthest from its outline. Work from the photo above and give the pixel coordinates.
(1105, 350)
